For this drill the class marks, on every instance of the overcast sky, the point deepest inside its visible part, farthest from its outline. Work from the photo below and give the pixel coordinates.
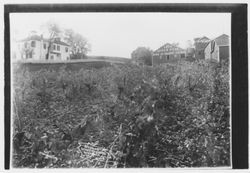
(118, 34)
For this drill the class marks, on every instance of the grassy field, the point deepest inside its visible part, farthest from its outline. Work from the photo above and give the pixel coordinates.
(121, 115)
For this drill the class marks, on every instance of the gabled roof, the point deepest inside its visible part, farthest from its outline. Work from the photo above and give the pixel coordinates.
(203, 39)
(222, 40)
(201, 42)
(39, 38)
(168, 45)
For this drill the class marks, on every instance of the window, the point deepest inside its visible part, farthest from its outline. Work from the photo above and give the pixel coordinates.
(58, 47)
(54, 47)
(51, 57)
(44, 46)
(66, 49)
(33, 43)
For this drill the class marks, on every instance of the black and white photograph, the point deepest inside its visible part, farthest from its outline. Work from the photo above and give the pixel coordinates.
(120, 90)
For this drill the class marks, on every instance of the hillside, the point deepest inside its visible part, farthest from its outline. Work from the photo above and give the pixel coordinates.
(74, 65)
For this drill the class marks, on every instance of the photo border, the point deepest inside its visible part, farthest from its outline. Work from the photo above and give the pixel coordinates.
(239, 59)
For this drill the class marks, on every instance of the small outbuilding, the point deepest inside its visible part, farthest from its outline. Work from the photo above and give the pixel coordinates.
(218, 49)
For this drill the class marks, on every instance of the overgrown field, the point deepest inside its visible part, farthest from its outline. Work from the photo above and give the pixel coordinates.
(122, 116)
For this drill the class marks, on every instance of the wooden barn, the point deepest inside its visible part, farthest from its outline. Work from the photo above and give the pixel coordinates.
(218, 49)
(200, 44)
(168, 53)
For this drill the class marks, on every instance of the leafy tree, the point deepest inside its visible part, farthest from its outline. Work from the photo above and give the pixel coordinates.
(79, 45)
(142, 54)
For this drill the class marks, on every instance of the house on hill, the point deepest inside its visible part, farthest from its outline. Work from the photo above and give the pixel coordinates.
(168, 53)
(200, 43)
(218, 49)
(36, 47)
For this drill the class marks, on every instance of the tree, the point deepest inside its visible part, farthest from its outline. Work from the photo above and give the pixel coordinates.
(189, 44)
(142, 54)
(79, 45)
(54, 31)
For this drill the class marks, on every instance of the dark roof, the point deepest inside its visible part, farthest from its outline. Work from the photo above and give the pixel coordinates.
(222, 40)
(201, 42)
(60, 42)
(55, 52)
(202, 39)
(38, 38)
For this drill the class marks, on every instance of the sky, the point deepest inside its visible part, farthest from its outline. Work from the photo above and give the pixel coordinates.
(118, 34)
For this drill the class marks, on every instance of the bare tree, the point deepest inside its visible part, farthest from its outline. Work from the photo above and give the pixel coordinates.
(54, 31)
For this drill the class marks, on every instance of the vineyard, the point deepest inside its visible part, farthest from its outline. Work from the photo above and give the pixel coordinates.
(122, 116)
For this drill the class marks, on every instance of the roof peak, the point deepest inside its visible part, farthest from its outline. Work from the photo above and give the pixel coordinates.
(168, 44)
(39, 38)
(222, 35)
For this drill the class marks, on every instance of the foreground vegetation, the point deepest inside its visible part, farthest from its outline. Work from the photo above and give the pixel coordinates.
(122, 116)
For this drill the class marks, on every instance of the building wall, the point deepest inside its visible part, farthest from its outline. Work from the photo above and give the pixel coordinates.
(170, 58)
(221, 52)
(62, 52)
(35, 50)
(39, 51)
(199, 53)
(199, 50)
(224, 52)
(215, 54)
(207, 52)
(212, 56)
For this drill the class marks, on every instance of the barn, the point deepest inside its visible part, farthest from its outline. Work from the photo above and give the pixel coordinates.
(168, 53)
(218, 49)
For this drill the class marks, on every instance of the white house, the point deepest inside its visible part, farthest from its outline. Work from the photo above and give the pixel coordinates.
(36, 48)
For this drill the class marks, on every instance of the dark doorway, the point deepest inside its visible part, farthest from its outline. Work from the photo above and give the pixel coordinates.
(224, 52)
